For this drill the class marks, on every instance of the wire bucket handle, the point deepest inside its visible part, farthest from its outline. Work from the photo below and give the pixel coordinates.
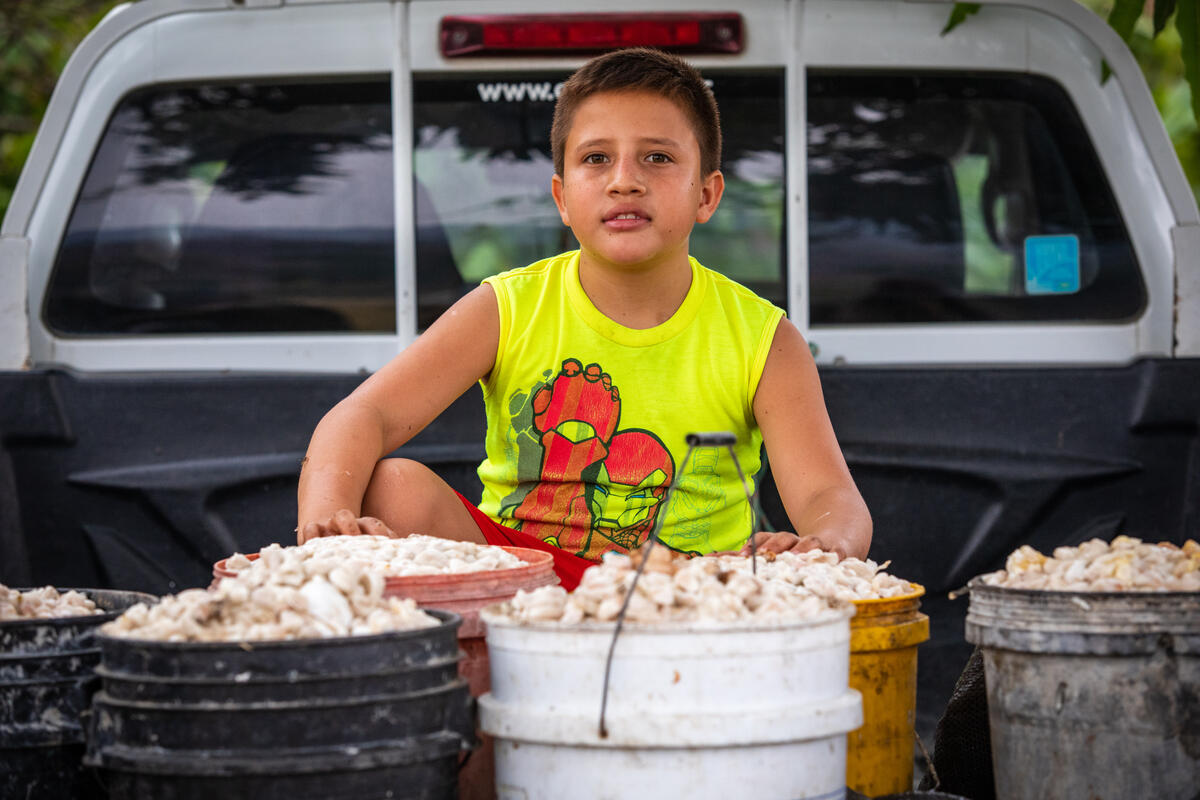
(710, 439)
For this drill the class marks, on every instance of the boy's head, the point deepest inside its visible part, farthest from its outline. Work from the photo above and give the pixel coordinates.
(642, 69)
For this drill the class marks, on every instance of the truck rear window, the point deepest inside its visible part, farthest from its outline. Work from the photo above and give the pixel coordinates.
(932, 197)
(234, 208)
(951, 198)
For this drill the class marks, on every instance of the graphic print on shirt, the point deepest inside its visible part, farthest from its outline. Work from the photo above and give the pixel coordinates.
(692, 532)
(583, 484)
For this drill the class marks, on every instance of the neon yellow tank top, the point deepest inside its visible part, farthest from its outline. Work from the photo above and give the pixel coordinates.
(587, 419)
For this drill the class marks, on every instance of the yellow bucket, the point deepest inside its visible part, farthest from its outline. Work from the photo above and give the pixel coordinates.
(884, 635)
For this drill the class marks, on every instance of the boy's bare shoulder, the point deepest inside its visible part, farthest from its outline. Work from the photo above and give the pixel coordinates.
(472, 317)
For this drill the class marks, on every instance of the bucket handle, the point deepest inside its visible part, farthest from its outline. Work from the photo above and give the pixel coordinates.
(694, 440)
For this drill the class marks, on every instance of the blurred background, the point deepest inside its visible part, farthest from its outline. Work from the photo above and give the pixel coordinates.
(37, 38)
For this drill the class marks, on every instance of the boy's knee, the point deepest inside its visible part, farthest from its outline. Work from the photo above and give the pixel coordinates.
(401, 483)
(411, 498)
(402, 471)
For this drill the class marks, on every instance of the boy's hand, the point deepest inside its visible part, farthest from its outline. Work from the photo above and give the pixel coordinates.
(343, 523)
(788, 542)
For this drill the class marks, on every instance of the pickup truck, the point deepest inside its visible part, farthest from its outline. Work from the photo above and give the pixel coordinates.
(236, 209)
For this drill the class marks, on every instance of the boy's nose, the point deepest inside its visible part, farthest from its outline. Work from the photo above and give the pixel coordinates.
(626, 176)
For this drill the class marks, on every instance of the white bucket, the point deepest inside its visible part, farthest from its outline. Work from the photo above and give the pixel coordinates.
(697, 712)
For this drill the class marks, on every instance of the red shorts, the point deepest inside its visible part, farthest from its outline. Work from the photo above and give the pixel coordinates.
(568, 567)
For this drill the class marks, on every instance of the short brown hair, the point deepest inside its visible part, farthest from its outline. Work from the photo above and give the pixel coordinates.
(642, 69)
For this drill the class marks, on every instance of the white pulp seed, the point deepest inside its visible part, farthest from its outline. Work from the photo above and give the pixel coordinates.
(821, 573)
(44, 603)
(287, 593)
(1126, 565)
(412, 555)
(670, 590)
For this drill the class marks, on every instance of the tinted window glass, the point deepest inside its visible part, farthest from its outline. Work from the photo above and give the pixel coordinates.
(482, 166)
(234, 209)
(957, 198)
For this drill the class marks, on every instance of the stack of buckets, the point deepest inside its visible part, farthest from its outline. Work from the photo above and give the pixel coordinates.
(465, 594)
(358, 716)
(47, 678)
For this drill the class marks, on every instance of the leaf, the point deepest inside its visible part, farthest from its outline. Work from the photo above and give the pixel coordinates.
(1187, 21)
(1124, 16)
(958, 14)
(1163, 9)
(1122, 19)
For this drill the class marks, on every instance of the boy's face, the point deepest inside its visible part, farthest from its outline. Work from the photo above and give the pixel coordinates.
(631, 188)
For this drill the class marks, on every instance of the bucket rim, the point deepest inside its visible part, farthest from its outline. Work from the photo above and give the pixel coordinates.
(301, 678)
(291, 761)
(447, 619)
(492, 616)
(220, 564)
(835, 715)
(535, 561)
(1079, 623)
(103, 699)
(40, 737)
(43, 655)
(976, 584)
(80, 678)
(24, 622)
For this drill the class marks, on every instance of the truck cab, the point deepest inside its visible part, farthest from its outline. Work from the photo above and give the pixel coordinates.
(236, 209)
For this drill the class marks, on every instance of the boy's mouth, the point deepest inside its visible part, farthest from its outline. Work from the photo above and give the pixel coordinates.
(625, 219)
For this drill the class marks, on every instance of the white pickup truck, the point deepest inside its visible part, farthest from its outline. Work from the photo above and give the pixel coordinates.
(235, 209)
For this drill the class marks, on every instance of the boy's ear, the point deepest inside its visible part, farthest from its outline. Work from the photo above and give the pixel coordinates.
(710, 196)
(556, 190)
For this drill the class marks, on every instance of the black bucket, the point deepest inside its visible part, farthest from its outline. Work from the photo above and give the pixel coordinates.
(47, 678)
(361, 716)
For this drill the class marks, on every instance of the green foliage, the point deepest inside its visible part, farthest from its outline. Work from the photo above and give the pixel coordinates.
(1186, 20)
(1163, 9)
(1123, 17)
(36, 39)
(959, 14)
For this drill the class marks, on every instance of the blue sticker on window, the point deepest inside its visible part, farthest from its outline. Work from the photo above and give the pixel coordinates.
(1051, 264)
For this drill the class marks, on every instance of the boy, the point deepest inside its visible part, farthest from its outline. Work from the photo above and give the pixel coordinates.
(596, 364)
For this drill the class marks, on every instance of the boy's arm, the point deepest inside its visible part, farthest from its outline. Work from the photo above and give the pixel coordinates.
(389, 408)
(822, 502)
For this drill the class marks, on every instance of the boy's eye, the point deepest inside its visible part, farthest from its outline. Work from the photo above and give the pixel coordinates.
(594, 158)
(658, 158)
